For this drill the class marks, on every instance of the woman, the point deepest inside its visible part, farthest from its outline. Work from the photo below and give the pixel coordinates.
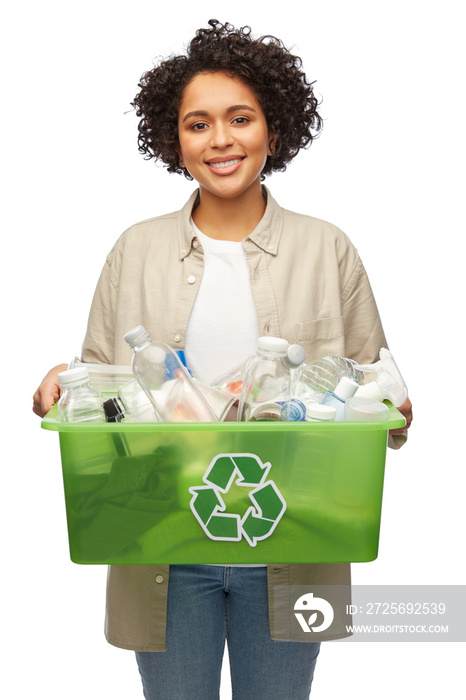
(209, 279)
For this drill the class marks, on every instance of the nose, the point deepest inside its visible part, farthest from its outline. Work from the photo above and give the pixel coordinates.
(220, 136)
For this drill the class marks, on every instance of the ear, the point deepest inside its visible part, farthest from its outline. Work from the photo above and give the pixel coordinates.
(180, 156)
(272, 143)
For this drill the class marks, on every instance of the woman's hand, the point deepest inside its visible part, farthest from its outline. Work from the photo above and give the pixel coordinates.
(48, 392)
(406, 410)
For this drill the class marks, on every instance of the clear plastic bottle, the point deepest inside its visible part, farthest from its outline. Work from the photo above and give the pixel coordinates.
(231, 382)
(166, 381)
(323, 375)
(267, 382)
(79, 402)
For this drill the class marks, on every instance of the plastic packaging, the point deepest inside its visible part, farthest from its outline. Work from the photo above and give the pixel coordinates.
(131, 405)
(79, 402)
(360, 408)
(345, 389)
(267, 380)
(219, 401)
(166, 381)
(388, 378)
(103, 377)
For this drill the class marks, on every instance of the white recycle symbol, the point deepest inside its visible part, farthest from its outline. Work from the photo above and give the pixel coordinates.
(259, 520)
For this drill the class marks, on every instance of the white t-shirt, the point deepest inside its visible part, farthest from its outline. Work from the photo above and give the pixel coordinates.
(222, 328)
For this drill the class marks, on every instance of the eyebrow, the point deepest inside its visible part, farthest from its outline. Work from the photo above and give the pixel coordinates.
(204, 113)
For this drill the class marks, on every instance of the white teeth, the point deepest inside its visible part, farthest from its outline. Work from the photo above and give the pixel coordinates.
(225, 163)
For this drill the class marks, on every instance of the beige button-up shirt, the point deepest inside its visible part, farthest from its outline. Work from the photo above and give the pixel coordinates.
(309, 286)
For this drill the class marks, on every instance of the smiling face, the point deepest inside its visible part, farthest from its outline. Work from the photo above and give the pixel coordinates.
(223, 135)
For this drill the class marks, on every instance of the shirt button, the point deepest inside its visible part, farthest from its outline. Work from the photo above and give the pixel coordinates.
(177, 338)
(159, 578)
(195, 244)
(191, 279)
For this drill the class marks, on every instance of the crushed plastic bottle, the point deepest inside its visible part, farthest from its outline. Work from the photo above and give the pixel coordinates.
(323, 375)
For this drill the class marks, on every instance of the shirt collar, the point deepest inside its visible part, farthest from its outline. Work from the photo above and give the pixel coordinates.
(266, 235)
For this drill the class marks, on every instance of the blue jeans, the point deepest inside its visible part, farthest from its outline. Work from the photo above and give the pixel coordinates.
(206, 606)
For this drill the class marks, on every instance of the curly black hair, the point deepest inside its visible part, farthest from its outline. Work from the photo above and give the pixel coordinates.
(264, 65)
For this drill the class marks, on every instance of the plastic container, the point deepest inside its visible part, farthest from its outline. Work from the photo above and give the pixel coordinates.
(360, 408)
(104, 377)
(153, 493)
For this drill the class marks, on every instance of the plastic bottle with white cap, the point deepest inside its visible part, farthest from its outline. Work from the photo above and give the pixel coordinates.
(79, 402)
(266, 390)
(345, 388)
(166, 381)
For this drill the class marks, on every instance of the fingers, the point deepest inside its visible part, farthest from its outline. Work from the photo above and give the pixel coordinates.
(48, 393)
(406, 410)
(43, 400)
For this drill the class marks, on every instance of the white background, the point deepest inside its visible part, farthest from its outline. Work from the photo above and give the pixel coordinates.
(388, 169)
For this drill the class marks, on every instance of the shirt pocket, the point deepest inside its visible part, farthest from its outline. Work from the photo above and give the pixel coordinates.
(322, 336)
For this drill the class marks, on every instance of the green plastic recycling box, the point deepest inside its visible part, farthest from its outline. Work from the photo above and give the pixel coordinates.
(223, 493)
